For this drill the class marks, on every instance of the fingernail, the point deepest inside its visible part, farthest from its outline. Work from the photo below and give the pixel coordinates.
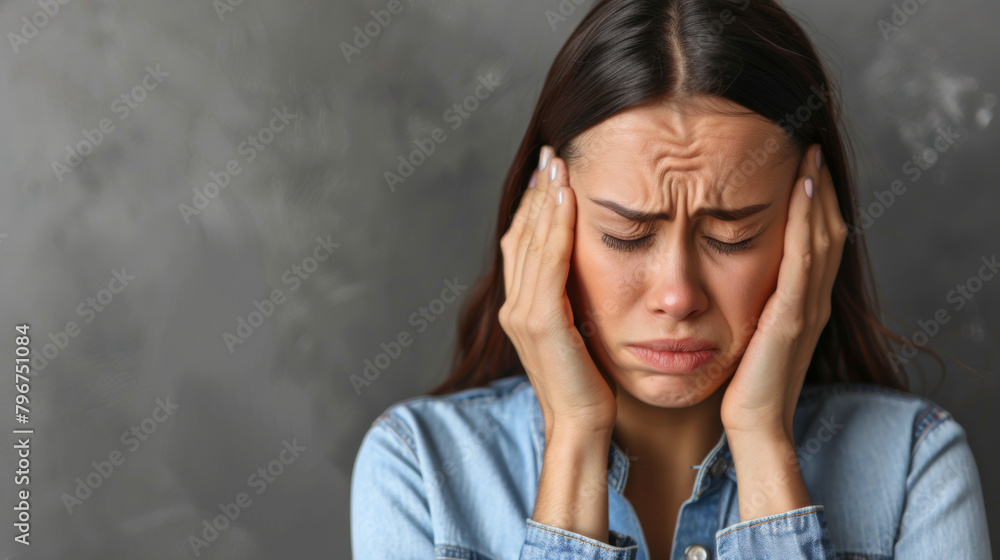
(543, 158)
(552, 174)
(809, 186)
(559, 196)
(533, 181)
(819, 159)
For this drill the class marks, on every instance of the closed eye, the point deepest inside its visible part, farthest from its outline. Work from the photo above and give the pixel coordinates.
(729, 248)
(629, 245)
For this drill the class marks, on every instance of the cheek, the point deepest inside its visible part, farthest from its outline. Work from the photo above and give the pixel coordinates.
(742, 287)
(602, 284)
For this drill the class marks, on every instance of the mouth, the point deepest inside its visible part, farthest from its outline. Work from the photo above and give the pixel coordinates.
(674, 356)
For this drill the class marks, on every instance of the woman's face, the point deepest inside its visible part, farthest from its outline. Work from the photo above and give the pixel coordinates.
(692, 272)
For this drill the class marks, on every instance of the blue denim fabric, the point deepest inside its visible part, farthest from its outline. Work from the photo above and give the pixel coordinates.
(890, 475)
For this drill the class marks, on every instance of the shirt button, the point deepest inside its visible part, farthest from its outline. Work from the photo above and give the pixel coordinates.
(695, 552)
(718, 468)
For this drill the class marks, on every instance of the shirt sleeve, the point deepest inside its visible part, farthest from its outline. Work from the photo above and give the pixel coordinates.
(944, 515)
(800, 533)
(390, 517)
(543, 542)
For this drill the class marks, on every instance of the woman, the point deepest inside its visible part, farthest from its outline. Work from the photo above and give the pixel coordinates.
(675, 353)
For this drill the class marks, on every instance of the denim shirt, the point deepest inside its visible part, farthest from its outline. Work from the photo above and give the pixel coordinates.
(889, 474)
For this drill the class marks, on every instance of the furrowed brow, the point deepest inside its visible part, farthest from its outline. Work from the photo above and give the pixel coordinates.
(721, 214)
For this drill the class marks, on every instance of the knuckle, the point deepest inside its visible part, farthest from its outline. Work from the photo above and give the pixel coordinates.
(806, 260)
(503, 316)
(535, 246)
(840, 230)
(544, 200)
(513, 230)
(536, 204)
(550, 256)
(536, 325)
(515, 320)
(506, 242)
(524, 219)
(793, 327)
(518, 215)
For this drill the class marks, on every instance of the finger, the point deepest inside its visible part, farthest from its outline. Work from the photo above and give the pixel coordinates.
(836, 226)
(510, 241)
(546, 156)
(796, 262)
(513, 236)
(821, 236)
(533, 202)
(538, 256)
(557, 254)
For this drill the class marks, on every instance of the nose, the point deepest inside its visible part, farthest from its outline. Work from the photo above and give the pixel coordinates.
(676, 282)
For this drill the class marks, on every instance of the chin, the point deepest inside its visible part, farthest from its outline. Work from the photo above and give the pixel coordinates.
(669, 390)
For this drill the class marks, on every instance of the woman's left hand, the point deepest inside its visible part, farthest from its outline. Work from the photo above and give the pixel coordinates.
(763, 392)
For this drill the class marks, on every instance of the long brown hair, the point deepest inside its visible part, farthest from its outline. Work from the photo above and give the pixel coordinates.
(629, 52)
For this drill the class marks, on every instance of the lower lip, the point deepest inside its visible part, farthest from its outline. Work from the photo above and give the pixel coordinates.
(672, 362)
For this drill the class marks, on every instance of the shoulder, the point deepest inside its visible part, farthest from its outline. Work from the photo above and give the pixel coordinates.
(435, 426)
(889, 467)
(865, 444)
(866, 412)
(447, 466)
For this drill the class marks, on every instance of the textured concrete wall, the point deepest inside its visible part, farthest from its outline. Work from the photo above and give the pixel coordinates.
(115, 117)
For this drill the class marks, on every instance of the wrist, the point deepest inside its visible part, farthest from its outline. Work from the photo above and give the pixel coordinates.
(763, 433)
(572, 490)
(759, 437)
(577, 432)
(571, 436)
(768, 476)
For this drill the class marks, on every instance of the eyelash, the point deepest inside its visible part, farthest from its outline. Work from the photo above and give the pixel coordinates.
(629, 245)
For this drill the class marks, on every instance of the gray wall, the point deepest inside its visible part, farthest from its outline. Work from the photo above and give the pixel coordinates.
(201, 82)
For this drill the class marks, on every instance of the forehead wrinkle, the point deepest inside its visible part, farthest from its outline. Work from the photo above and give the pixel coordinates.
(663, 147)
(692, 174)
(775, 164)
(717, 155)
(658, 198)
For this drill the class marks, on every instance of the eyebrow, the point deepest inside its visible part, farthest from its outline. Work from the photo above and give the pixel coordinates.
(722, 214)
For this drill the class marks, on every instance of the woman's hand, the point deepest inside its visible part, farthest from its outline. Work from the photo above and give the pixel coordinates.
(762, 394)
(578, 404)
(537, 316)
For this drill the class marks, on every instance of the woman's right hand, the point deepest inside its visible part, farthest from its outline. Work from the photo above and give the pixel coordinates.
(537, 316)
